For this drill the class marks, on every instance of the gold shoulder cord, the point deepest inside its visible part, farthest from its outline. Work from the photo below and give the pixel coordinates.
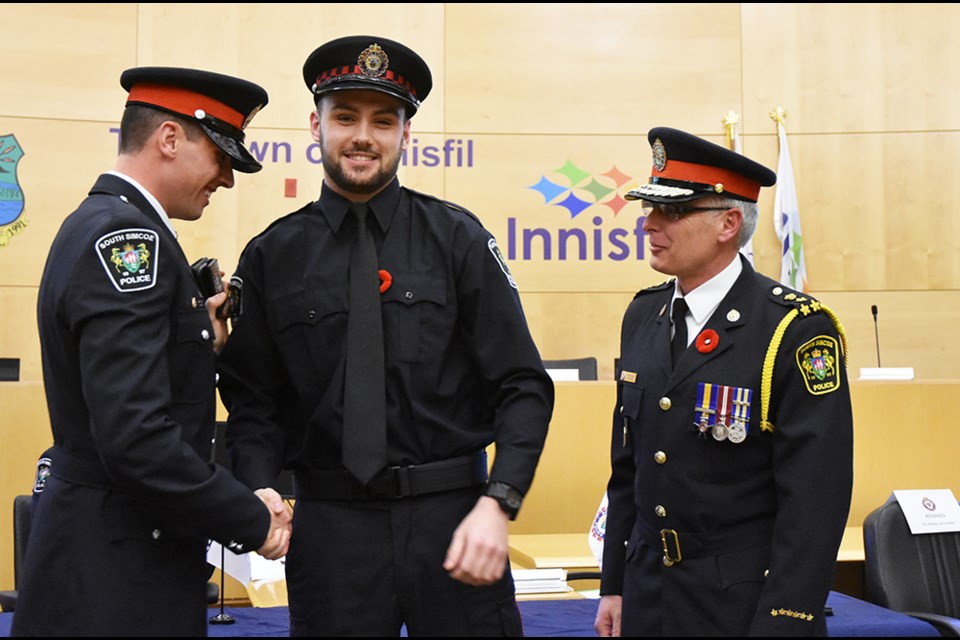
(766, 378)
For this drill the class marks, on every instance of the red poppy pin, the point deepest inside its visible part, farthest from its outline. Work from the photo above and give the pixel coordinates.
(385, 280)
(707, 341)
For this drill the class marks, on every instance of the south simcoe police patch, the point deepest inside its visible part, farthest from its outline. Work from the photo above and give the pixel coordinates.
(130, 258)
(495, 250)
(818, 361)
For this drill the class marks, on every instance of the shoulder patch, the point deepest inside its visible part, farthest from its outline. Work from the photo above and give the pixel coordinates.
(818, 360)
(498, 256)
(129, 256)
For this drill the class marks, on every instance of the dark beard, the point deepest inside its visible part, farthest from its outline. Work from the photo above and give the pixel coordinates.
(369, 184)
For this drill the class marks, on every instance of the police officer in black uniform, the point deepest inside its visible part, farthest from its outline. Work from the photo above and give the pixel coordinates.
(423, 542)
(732, 454)
(118, 543)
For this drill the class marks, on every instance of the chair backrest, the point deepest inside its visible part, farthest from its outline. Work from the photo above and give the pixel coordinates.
(572, 368)
(907, 572)
(22, 521)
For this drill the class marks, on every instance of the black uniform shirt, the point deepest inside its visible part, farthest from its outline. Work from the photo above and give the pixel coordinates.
(462, 370)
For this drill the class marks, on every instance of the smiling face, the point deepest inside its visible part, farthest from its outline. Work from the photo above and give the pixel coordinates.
(202, 168)
(362, 135)
(695, 246)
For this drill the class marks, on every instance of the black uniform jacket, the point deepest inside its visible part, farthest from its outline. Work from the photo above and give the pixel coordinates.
(462, 370)
(757, 524)
(129, 373)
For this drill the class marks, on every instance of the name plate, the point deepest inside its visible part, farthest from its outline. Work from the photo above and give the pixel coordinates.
(930, 511)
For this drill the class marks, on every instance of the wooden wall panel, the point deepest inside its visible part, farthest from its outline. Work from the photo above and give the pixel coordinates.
(844, 67)
(532, 68)
(63, 61)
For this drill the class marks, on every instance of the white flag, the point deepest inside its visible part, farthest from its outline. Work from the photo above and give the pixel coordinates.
(731, 122)
(786, 217)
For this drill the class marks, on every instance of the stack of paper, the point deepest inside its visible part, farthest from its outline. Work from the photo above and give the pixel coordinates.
(540, 581)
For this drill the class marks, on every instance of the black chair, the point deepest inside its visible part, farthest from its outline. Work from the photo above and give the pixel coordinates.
(22, 520)
(918, 575)
(586, 367)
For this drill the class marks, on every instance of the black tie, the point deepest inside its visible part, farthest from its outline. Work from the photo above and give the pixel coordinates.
(679, 344)
(364, 398)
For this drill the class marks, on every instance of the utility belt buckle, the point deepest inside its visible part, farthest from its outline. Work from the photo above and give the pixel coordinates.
(391, 484)
(670, 556)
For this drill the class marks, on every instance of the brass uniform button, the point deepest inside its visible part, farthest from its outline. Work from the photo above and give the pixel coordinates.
(661, 512)
(665, 403)
(660, 457)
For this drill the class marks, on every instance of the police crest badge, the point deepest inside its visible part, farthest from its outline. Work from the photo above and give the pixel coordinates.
(818, 361)
(130, 258)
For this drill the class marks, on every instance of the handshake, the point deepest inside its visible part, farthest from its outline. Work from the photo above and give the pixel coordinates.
(281, 519)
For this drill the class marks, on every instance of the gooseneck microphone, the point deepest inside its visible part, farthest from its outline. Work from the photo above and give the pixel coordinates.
(876, 332)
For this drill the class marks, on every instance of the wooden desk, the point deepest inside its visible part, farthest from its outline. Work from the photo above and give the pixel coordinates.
(572, 551)
(569, 551)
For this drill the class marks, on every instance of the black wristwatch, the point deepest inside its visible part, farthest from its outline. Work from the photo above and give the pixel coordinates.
(509, 498)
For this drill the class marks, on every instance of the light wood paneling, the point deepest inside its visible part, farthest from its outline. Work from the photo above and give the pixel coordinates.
(533, 68)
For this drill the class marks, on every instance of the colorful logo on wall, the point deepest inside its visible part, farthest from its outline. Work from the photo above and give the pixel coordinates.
(591, 204)
(11, 195)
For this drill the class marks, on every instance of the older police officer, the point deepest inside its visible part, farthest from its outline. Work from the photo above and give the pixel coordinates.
(732, 434)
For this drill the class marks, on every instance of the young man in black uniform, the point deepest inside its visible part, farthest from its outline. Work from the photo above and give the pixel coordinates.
(118, 543)
(400, 526)
(732, 452)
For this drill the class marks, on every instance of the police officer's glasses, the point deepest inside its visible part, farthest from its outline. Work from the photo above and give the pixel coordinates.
(674, 212)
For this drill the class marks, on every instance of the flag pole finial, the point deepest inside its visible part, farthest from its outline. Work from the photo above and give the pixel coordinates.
(779, 115)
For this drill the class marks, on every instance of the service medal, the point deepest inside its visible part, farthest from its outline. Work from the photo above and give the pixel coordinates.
(737, 432)
(706, 407)
(723, 413)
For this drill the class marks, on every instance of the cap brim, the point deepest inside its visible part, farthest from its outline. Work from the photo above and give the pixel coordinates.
(664, 194)
(243, 161)
(370, 85)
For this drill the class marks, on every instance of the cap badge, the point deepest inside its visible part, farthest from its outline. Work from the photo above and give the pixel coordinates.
(249, 117)
(659, 155)
(373, 61)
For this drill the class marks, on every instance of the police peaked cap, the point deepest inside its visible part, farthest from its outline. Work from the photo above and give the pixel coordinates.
(222, 105)
(686, 168)
(369, 62)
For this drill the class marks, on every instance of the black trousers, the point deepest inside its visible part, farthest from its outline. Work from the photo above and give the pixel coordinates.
(368, 568)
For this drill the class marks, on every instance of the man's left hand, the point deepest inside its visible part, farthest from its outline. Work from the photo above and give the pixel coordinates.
(478, 552)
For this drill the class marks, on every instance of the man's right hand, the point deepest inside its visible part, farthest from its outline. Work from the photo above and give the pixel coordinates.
(607, 623)
(281, 519)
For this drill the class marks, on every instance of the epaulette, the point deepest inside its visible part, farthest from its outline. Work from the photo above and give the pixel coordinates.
(450, 205)
(657, 287)
(800, 304)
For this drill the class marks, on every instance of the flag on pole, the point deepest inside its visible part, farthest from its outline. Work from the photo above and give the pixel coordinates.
(786, 214)
(731, 122)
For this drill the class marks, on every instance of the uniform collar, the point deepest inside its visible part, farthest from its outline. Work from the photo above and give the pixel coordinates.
(705, 299)
(383, 205)
(149, 197)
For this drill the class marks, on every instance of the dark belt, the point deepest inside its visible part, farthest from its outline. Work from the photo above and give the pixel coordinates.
(76, 469)
(677, 545)
(393, 482)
